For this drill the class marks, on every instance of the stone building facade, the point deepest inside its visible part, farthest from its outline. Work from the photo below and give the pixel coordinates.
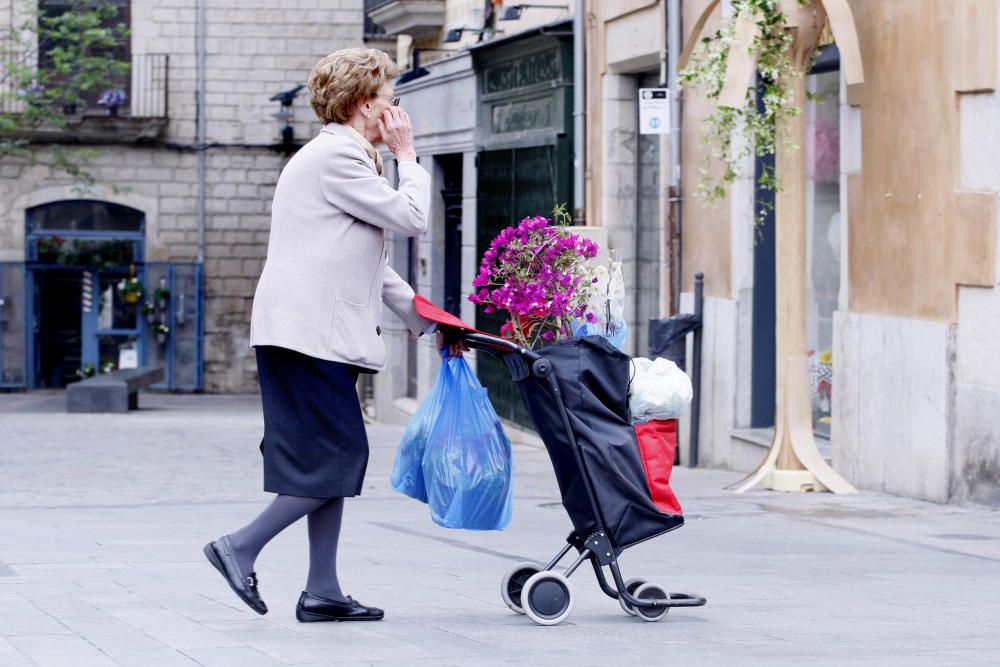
(455, 143)
(253, 50)
(901, 231)
(901, 235)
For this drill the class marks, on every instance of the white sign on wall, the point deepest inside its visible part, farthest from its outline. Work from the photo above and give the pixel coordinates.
(128, 357)
(654, 111)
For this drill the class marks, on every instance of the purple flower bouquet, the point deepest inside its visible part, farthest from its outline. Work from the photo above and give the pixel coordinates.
(537, 272)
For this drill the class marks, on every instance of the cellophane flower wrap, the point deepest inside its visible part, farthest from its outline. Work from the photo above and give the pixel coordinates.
(537, 273)
(607, 305)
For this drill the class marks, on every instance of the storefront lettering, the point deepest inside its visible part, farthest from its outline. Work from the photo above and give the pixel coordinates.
(529, 71)
(520, 116)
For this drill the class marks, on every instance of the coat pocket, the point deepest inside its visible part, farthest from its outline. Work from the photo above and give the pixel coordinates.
(354, 338)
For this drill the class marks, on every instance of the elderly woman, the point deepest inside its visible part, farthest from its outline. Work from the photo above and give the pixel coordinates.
(317, 320)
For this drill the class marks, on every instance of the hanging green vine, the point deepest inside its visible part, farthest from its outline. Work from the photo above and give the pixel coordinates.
(758, 135)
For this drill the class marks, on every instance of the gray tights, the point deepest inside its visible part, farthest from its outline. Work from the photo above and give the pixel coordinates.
(325, 516)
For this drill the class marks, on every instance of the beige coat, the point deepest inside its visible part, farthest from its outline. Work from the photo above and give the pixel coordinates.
(326, 275)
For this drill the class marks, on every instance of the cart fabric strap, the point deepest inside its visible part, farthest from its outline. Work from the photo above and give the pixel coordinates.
(657, 444)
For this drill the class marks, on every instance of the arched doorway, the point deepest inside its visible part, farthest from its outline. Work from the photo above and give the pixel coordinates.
(77, 253)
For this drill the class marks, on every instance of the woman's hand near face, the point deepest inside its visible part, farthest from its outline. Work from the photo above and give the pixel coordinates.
(397, 133)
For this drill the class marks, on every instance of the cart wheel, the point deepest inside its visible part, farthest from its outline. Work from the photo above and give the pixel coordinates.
(631, 585)
(651, 592)
(547, 598)
(513, 583)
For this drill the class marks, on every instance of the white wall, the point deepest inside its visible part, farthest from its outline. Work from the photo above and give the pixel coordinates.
(915, 403)
(893, 403)
(976, 457)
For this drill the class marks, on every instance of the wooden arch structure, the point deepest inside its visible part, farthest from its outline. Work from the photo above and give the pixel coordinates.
(793, 462)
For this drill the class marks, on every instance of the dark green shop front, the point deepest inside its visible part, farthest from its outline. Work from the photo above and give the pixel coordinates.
(525, 158)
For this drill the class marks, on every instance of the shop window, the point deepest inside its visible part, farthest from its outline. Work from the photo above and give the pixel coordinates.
(85, 215)
(85, 233)
(119, 22)
(823, 253)
(822, 233)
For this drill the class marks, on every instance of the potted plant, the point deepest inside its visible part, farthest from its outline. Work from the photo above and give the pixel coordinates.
(49, 248)
(161, 330)
(112, 99)
(537, 272)
(130, 289)
(148, 310)
(86, 371)
(162, 295)
(107, 367)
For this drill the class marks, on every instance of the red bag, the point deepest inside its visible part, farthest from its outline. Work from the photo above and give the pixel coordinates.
(657, 444)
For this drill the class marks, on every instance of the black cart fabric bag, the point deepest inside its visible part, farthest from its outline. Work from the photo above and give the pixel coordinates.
(593, 378)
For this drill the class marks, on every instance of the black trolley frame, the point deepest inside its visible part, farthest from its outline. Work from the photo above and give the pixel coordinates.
(596, 547)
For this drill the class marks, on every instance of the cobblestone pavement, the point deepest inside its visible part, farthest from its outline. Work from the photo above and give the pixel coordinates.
(102, 520)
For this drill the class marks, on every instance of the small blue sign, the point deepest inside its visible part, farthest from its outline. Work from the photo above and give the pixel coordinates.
(654, 111)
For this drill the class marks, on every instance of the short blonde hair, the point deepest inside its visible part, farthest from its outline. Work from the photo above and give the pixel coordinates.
(346, 78)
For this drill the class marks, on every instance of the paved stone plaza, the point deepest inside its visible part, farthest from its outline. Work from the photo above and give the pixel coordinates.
(102, 520)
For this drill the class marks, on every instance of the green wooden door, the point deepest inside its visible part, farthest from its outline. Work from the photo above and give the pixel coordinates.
(514, 184)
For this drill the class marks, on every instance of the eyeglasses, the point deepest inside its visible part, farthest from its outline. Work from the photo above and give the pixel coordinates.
(393, 101)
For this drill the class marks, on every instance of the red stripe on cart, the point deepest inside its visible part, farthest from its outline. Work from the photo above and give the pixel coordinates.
(657, 444)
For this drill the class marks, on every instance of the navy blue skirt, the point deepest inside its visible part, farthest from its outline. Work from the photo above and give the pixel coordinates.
(315, 444)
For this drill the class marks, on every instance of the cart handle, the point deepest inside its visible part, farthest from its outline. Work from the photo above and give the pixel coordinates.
(494, 344)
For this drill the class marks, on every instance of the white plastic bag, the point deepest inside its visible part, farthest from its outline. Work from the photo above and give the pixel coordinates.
(659, 390)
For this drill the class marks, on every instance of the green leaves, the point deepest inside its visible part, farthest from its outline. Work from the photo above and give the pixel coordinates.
(754, 125)
(561, 216)
(53, 63)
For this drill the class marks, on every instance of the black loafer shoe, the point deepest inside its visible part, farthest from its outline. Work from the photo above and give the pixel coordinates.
(314, 608)
(221, 555)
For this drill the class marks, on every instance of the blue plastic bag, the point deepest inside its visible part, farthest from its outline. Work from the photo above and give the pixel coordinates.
(467, 461)
(407, 471)
(618, 338)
